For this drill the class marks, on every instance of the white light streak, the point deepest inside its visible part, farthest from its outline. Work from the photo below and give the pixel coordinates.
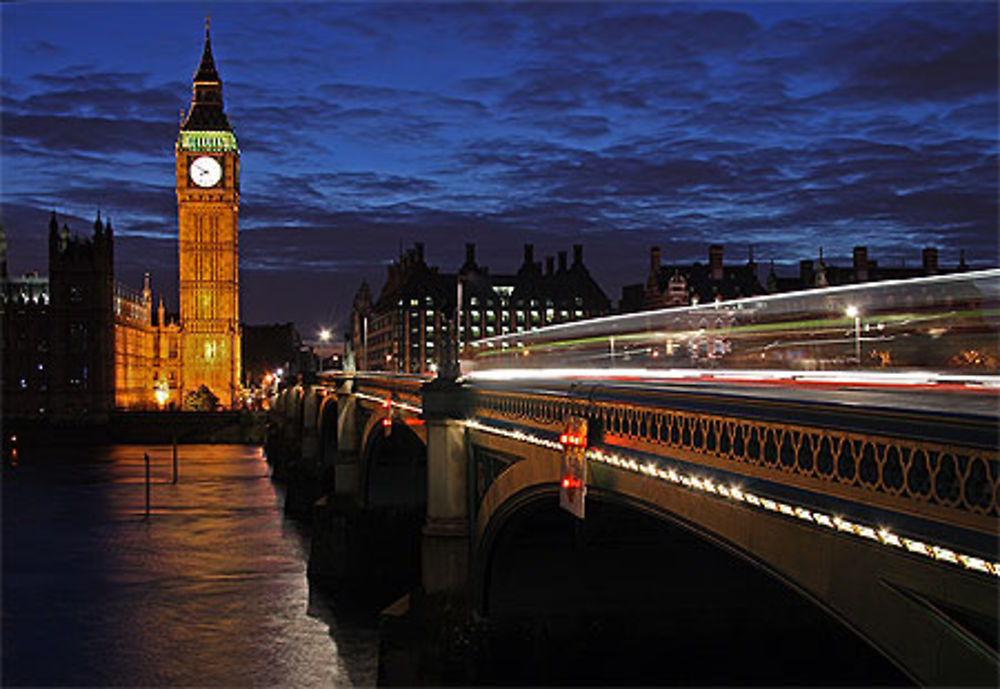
(866, 378)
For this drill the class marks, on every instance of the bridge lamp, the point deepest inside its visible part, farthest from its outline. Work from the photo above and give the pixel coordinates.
(853, 312)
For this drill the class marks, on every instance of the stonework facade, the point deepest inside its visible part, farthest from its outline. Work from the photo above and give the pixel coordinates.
(208, 200)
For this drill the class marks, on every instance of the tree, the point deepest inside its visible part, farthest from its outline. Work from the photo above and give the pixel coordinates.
(202, 399)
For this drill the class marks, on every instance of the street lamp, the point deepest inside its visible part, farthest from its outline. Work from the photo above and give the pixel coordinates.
(324, 334)
(161, 393)
(853, 312)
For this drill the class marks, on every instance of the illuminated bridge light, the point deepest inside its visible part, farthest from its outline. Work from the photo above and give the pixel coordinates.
(866, 532)
(823, 520)
(388, 402)
(945, 554)
(918, 547)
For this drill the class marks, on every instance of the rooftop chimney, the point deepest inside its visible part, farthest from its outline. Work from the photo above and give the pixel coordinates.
(549, 265)
(806, 271)
(529, 254)
(578, 254)
(654, 260)
(562, 261)
(470, 254)
(861, 264)
(418, 250)
(930, 255)
(715, 261)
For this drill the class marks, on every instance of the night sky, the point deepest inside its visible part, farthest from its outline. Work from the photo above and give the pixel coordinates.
(367, 127)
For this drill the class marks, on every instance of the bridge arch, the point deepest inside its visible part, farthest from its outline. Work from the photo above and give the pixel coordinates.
(393, 464)
(326, 425)
(647, 582)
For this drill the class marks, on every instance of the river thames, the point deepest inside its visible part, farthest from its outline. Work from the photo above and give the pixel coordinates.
(210, 590)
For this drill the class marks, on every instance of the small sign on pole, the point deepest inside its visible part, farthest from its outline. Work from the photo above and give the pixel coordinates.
(573, 477)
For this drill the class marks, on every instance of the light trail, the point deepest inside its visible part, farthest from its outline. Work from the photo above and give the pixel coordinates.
(888, 379)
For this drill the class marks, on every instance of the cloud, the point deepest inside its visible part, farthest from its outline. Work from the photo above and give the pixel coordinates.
(96, 134)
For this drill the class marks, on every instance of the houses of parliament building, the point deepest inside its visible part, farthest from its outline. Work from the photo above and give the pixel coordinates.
(78, 344)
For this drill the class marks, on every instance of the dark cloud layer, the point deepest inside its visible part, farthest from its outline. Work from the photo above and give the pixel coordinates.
(367, 127)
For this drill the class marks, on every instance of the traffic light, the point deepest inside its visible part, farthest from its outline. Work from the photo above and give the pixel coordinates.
(387, 420)
(573, 479)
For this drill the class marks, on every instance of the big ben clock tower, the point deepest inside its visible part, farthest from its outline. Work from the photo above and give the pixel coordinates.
(208, 201)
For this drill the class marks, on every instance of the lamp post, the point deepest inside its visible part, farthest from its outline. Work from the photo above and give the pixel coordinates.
(853, 312)
(364, 344)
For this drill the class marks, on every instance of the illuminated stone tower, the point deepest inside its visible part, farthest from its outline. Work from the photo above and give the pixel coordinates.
(208, 201)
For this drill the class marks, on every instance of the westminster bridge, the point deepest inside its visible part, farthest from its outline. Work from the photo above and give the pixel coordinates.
(884, 518)
(868, 492)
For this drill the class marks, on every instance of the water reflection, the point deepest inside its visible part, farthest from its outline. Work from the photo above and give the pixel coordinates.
(210, 590)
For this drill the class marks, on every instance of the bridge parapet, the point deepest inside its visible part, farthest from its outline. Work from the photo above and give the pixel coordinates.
(947, 483)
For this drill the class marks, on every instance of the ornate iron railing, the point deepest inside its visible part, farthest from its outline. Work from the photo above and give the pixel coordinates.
(946, 482)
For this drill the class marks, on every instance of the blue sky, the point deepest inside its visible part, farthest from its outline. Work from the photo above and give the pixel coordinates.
(367, 126)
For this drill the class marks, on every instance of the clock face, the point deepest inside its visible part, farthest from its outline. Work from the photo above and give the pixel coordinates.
(206, 171)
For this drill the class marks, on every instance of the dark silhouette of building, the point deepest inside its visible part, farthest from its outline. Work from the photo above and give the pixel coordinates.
(684, 285)
(268, 348)
(414, 317)
(820, 273)
(77, 344)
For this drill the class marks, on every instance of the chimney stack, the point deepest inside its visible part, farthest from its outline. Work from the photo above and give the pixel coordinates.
(930, 255)
(806, 272)
(715, 261)
(861, 264)
(529, 254)
(654, 260)
(418, 248)
(549, 265)
(562, 261)
(578, 254)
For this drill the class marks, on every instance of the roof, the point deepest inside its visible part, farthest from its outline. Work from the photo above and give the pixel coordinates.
(207, 110)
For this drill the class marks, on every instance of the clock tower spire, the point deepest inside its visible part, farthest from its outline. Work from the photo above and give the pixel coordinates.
(208, 198)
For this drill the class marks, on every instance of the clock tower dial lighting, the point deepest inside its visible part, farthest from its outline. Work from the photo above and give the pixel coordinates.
(208, 201)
